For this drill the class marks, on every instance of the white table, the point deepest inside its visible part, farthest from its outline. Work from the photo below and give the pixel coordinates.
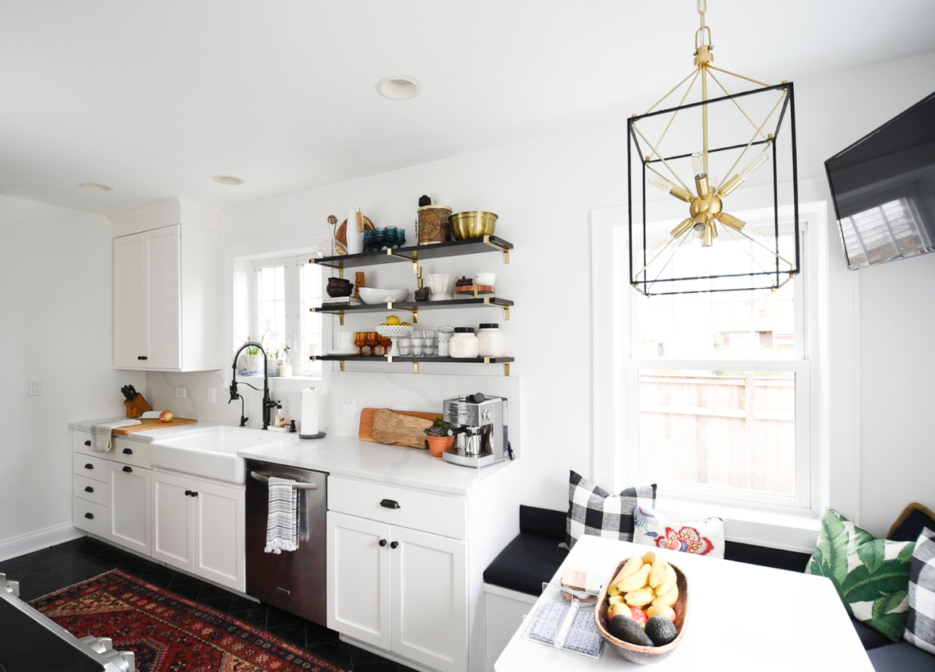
(741, 617)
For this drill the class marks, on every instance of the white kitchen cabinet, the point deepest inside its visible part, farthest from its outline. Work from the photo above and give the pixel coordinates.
(359, 594)
(198, 526)
(129, 507)
(416, 588)
(166, 289)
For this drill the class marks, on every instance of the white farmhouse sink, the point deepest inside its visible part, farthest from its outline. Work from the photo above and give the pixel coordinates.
(210, 452)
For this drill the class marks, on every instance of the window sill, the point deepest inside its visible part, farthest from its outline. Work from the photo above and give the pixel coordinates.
(787, 531)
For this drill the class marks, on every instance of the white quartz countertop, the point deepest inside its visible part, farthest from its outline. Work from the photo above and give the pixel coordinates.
(348, 456)
(150, 435)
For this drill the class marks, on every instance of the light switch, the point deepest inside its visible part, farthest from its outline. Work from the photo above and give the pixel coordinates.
(35, 387)
(348, 408)
(212, 396)
(181, 392)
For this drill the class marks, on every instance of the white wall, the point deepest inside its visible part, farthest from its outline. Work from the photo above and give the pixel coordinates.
(544, 191)
(55, 270)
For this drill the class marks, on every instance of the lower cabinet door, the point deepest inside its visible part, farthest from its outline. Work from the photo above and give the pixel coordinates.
(129, 507)
(219, 533)
(359, 579)
(173, 533)
(430, 599)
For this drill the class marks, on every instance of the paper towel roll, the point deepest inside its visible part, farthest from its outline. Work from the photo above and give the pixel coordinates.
(355, 239)
(309, 412)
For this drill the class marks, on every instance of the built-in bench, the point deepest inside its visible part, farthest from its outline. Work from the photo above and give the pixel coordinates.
(513, 582)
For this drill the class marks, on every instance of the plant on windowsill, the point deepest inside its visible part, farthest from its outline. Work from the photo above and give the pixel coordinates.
(253, 360)
(285, 370)
(274, 363)
(437, 437)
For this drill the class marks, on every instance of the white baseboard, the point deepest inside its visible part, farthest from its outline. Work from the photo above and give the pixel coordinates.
(35, 541)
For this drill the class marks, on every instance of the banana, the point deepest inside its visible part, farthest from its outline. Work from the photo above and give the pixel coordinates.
(660, 565)
(668, 582)
(631, 567)
(649, 558)
(666, 599)
(613, 591)
(635, 581)
(640, 598)
(616, 598)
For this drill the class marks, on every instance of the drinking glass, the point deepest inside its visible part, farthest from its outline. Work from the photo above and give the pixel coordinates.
(405, 347)
(360, 340)
(400, 238)
(373, 340)
(389, 236)
(368, 240)
(378, 239)
(418, 347)
(429, 344)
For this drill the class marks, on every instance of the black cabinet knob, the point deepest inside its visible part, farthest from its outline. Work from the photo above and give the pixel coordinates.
(127, 451)
(89, 466)
(87, 443)
(89, 516)
(389, 504)
(89, 489)
(127, 470)
(144, 357)
(194, 494)
(395, 544)
(382, 543)
(188, 493)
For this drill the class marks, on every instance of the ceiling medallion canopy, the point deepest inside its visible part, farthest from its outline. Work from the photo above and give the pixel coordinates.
(709, 248)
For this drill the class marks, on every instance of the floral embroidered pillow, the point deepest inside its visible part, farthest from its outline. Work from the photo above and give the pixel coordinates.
(701, 537)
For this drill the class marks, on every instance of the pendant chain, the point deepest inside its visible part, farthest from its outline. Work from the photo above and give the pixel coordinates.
(703, 34)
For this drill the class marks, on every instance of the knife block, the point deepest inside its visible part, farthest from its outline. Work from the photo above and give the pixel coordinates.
(137, 407)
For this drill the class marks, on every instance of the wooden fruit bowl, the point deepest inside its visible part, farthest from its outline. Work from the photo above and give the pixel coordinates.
(643, 654)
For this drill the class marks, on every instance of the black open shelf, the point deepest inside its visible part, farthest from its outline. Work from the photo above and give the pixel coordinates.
(412, 305)
(424, 360)
(453, 248)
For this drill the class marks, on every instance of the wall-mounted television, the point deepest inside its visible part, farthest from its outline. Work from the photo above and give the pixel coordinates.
(884, 189)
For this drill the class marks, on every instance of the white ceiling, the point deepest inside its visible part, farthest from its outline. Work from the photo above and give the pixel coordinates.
(154, 98)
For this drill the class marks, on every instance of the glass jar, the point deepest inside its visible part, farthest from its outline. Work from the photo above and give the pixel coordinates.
(463, 344)
(490, 340)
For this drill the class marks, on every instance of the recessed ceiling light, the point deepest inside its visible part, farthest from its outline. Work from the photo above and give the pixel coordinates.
(229, 180)
(399, 87)
(94, 186)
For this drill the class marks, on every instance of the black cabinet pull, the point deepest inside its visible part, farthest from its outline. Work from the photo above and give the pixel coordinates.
(87, 443)
(395, 544)
(89, 489)
(127, 451)
(194, 494)
(144, 357)
(188, 493)
(89, 516)
(127, 470)
(382, 543)
(389, 504)
(89, 466)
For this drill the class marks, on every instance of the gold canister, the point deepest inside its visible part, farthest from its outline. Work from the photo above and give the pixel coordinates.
(434, 224)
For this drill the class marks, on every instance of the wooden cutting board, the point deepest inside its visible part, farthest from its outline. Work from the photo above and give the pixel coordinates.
(152, 423)
(367, 415)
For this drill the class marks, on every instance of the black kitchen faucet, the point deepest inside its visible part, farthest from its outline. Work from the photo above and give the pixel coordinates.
(268, 404)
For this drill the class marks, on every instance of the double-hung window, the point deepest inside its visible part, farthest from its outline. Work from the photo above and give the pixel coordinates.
(718, 391)
(284, 292)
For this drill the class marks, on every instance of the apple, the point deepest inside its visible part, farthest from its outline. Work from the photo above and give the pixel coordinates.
(166, 416)
(639, 615)
(665, 612)
(619, 609)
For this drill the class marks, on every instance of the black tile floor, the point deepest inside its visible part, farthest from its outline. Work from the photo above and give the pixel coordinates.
(51, 569)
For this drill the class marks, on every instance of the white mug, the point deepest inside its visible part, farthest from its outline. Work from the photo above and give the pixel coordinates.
(345, 341)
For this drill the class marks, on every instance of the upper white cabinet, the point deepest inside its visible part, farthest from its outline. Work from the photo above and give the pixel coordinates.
(167, 288)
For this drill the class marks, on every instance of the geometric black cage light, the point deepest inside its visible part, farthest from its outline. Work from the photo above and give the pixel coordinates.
(704, 244)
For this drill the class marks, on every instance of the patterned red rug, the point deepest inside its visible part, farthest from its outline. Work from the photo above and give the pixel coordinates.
(169, 633)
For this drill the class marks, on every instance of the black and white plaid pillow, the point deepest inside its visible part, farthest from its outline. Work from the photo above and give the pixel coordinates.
(593, 511)
(920, 623)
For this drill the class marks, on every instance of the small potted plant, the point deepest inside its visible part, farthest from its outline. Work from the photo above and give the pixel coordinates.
(274, 363)
(285, 370)
(437, 437)
(254, 361)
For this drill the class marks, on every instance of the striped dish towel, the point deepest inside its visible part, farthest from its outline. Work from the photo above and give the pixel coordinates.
(282, 526)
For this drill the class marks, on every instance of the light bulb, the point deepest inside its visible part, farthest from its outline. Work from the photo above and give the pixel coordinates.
(698, 164)
(660, 183)
(754, 165)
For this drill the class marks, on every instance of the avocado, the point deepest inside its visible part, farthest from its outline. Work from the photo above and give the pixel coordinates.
(628, 630)
(661, 630)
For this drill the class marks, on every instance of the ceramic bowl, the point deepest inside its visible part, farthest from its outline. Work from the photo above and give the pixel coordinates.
(377, 295)
(489, 279)
(633, 652)
(440, 285)
(393, 331)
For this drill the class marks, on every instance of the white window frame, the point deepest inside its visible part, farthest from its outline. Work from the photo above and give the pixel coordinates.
(293, 308)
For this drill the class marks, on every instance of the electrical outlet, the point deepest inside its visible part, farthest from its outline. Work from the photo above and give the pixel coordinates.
(348, 408)
(35, 387)
(181, 392)
(212, 396)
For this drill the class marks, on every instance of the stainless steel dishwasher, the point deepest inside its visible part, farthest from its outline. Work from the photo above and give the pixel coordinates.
(292, 581)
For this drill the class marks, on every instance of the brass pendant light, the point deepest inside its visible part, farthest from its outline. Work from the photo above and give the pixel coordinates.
(695, 256)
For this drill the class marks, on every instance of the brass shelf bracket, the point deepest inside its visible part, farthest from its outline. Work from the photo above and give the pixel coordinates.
(342, 364)
(506, 313)
(341, 316)
(415, 315)
(415, 367)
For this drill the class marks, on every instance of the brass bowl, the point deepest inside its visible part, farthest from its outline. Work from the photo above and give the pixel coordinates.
(473, 224)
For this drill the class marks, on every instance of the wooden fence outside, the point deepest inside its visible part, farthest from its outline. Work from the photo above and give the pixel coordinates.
(733, 431)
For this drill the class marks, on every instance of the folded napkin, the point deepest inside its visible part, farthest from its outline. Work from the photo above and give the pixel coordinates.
(282, 525)
(100, 433)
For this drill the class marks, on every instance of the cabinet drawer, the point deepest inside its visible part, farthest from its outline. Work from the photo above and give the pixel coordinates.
(90, 490)
(419, 510)
(90, 517)
(135, 453)
(92, 467)
(81, 442)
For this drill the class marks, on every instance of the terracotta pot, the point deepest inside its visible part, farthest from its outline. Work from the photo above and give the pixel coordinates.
(439, 444)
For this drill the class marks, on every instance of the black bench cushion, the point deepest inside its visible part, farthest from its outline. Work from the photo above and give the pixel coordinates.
(901, 657)
(546, 522)
(766, 557)
(910, 523)
(870, 638)
(526, 563)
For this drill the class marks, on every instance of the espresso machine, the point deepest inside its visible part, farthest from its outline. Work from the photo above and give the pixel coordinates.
(480, 424)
